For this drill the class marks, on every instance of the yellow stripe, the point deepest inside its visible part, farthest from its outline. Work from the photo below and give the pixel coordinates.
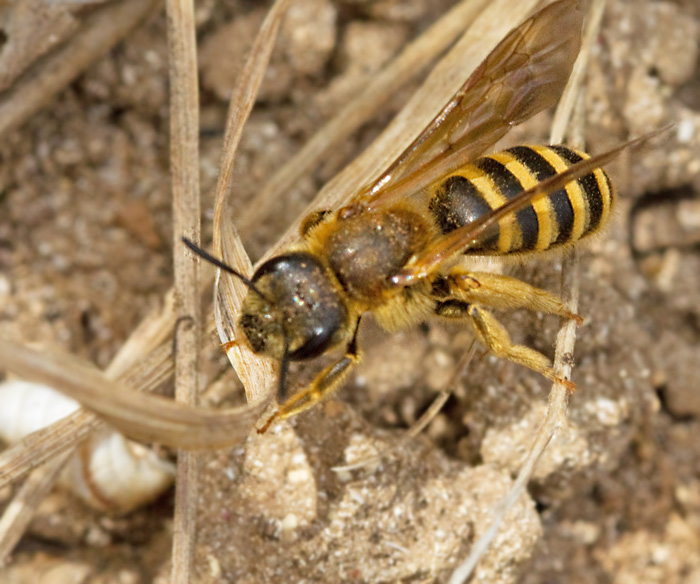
(582, 214)
(577, 196)
(509, 232)
(542, 206)
(585, 204)
(606, 195)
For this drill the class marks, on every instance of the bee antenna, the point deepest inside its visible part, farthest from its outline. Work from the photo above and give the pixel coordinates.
(219, 264)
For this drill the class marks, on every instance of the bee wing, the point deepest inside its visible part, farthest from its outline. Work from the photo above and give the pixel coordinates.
(524, 74)
(446, 247)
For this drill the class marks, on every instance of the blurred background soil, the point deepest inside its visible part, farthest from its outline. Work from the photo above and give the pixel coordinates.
(85, 253)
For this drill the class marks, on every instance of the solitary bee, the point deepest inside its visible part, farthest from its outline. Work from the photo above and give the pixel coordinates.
(393, 249)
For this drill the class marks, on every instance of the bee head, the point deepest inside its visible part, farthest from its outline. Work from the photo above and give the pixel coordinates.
(294, 311)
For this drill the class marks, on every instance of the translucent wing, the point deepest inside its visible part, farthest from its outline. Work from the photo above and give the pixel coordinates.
(523, 75)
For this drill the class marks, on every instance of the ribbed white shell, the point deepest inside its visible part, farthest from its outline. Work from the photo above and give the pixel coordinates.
(108, 471)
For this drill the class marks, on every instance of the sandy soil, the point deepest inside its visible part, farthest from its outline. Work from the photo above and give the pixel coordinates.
(85, 236)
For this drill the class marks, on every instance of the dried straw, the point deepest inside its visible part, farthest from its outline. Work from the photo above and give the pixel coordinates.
(184, 169)
(257, 373)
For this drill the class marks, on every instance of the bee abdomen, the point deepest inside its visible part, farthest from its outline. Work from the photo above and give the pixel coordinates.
(561, 218)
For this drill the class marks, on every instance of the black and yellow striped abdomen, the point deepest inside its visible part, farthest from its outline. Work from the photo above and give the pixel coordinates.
(562, 218)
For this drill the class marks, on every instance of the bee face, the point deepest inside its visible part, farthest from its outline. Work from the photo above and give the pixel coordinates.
(301, 313)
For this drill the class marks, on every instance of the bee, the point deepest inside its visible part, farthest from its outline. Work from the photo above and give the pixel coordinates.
(393, 249)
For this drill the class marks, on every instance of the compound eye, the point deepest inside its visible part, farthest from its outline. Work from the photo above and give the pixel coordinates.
(318, 333)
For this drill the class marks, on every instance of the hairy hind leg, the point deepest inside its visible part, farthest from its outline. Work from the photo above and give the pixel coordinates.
(505, 292)
(493, 335)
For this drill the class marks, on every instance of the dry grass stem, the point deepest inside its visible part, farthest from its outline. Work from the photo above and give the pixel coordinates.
(410, 63)
(143, 417)
(41, 83)
(41, 446)
(555, 417)
(143, 373)
(256, 373)
(151, 333)
(21, 509)
(571, 95)
(184, 172)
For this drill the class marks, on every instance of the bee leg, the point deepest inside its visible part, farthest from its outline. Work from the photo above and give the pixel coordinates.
(325, 383)
(505, 293)
(493, 335)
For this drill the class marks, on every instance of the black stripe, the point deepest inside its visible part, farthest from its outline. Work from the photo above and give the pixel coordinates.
(566, 153)
(591, 189)
(457, 202)
(510, 186)
(563, 209)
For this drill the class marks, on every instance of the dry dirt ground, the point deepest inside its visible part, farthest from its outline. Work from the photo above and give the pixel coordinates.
(85, 236)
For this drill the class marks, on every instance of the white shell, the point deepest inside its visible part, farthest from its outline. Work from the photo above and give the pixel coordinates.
(108, 471)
